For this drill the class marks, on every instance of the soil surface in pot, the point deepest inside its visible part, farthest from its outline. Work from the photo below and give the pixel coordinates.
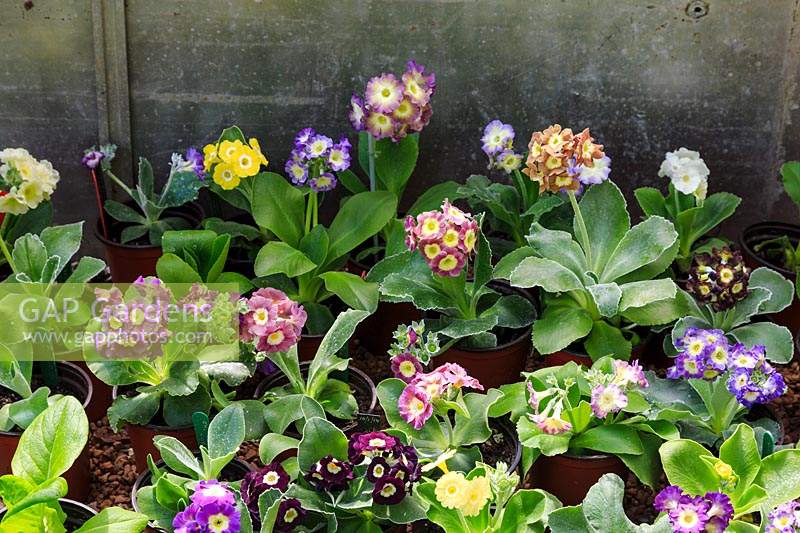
(8, 397)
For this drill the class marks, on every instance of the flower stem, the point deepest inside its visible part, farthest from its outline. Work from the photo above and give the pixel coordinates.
(3, 245)
(584, 234)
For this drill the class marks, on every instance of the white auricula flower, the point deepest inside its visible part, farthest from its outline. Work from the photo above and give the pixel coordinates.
(687, 171)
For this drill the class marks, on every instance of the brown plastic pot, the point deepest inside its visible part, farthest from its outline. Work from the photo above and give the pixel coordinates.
(307, 347)
(376, 332)
(77, 513)
(569, 478)
(129, 261)
(142, 439)
(493, 367)
(233, 471)
(78, 476)
(102, 396)
(566, 355)
(758, 233)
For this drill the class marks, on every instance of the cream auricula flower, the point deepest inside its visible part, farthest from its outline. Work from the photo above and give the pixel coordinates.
(687, 171)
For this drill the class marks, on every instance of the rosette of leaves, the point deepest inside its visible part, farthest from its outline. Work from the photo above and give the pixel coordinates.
(352, 509)
(768, 293)
(197, 256)
(182, 186)
(693, 218)
(470, 311)
(457, 425)
(706, 411)
(180, 378)
(306, 262)
(509, 209)
(601, 512)
(599, 302)
(315, 392)
(755, 484)
(171, 485)
(47, 449)
(33, 303)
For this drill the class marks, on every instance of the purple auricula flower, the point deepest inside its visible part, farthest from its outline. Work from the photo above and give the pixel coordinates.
(219, 518)
(668, 499)
(302, 138)
(761, 384)
(694, 514)
(784, 518)
(325, 182)
(378, 469)
(318, 146)
(330, 474)
(91, 159)
(195, 157)
(290, 514)
(405, 366)
(370, 444)
(357, 113)
(388, 490)
(297, 171)
(212, 491)
(254, 484)
(339, 155)
(384, 93)
(186, 520)
(497, 137)
(597, 173)
(608, 399)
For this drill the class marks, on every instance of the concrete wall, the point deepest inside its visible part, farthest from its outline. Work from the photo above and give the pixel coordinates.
(647, 77)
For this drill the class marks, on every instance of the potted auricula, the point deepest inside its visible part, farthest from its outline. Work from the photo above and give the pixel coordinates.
(366, 482)
(306, 258)
(583, 423)
(133, 238)
(25, 188)
(687, 205)
(723, 293)
(446, 273)
(715, 385)
(510, 209)
(486, 500)
(32, 496)
(167, 356)
(776, 245)
(600, 290)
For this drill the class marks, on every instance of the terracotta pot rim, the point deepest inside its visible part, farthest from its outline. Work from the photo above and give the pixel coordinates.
(746, 236)
(155, 427)
(306, 364)
(522, 337)
(196, 216)
(89, 392)
(160, 463)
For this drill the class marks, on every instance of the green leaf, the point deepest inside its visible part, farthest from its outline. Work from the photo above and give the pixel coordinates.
(48, 492)
(512, 311)
(651, 201)
(320, 438)
(86, 270)
(114, 520)
(475, 428)
(49, 446)
(282, 412)
(131, 233)
(643, 244)
(777, 339)
(559, 327)
(715, 209)
(611, 438)
(351, 181)
(279, 207)
(638, 294)
(646, 466)
(506, 265)
(178, 410)
(741, 452)
(606, 297)
(274, 444)
(123, 213)
(226, 431)
(606, 339)
(423, 296)
(684, 466)
(236, 230)
(277, 257)
(361, 217)
(352, 290)
(181, 188)
(790, 174)
(30, 256)
(779, 476)
(482, 267)
(172, 269)
(603, 206)
(315, 244)
(395, 161)
(781, 288)
(433, 197)
(177, 456)
(560, 247)
(544, 273)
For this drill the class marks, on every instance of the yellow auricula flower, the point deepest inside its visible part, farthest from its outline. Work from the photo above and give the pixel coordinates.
(245, 162)
(451, 490)
(225, 177)
(257, 149)
(723, 469)
(210, 156)
(228, 150)
(477, 496)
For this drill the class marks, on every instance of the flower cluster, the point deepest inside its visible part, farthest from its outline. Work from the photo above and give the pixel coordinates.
(559, 160)
(392, 467)
(470, 496)
(547, 406)
(392, 108)
(707, 354)
(230, 161)
(191, 161)
(271, 321)
(411, 349)
(609, 391)
(446, 238)
(416, 401)
(692, 514)
(785, 518)
(272, 476)
(315, 158)
(498, 145)
(719, 279)
(24, 181)
(212, 508)
(687, 172)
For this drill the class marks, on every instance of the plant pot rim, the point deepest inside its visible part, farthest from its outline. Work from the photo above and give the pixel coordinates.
(155, 427)
(306, 364)
(196, 217)
(89, 392)
(745, 237)
(505, 425)
(63, 501)
(525, 334)
(160, 463)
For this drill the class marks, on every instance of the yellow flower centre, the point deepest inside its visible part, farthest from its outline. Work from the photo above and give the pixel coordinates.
(688, 518)
(417, 407)
(290, 516)
(386, 92)
(431, 250)
(261, 316)
(333, 468)
(451, 238)
(430, 227)
(388, 490)
(469, 239)
(275, 338)
(407, 368)
(695, 347)
(553, 162)
(272, 478)
(448, 263)
(726, 275)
